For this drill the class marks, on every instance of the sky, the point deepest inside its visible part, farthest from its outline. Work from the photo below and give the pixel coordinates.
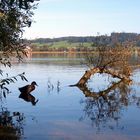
(59, 18)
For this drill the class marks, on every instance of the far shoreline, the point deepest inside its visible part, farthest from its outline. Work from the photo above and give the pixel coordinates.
(58, 52)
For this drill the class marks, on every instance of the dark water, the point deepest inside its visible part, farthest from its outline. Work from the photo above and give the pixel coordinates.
(67, 113)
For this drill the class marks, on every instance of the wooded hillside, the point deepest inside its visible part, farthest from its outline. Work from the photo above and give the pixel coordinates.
(73, 43)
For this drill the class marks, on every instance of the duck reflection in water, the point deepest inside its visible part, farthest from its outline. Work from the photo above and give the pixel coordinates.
(25, 93)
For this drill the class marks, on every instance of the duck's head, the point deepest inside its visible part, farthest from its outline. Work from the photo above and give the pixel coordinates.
(34, 83)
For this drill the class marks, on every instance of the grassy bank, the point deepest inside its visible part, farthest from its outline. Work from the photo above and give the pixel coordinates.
(61, 46)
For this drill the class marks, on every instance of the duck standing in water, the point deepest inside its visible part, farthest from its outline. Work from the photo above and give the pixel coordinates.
(25, 93)
(28, 88)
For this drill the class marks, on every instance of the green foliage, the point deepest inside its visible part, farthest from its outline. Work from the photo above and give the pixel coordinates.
(14, 16)
(11, 124)
(23, 4)
(6, 81)
(126, 39)
(61, 46)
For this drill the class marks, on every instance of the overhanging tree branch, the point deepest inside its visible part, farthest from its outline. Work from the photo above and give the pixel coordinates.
(110, 60)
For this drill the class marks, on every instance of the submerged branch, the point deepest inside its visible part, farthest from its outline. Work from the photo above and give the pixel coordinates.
(115, 74)
(103, 93)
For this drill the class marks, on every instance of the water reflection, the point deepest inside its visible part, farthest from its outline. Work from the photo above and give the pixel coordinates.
(51, 86)
(56, 115)
(28, 98)
(11, 124)
(58, 55)
(104, 108)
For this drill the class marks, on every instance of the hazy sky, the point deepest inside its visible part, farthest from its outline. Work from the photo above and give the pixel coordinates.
(57, 18)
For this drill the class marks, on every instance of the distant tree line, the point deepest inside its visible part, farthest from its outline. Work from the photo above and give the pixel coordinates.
(47, 44)
(113, 38)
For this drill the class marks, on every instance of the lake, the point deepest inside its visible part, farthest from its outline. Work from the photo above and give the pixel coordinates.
(60, 112)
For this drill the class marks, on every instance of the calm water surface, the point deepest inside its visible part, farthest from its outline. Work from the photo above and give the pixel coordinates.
(65, 113)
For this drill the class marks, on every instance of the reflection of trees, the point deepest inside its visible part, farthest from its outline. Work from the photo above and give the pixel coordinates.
(104, 107)
(11, 124)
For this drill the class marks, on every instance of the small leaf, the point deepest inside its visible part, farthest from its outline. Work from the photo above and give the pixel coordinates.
(25, 79)
(6, 89)
(15, 78)
(11, 80)
(7, 81)
(4, 94)
(7, 74)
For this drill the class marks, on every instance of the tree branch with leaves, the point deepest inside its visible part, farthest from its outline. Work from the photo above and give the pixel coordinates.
(15, 15)
(110, 60)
